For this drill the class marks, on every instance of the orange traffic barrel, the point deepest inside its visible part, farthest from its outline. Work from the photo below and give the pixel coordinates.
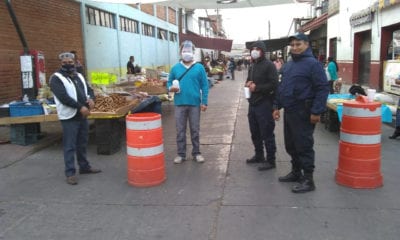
(145, 149)
(360, 145)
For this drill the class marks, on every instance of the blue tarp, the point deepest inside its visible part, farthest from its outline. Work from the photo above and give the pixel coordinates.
(386, 113)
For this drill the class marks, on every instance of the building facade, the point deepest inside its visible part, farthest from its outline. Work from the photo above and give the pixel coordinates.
(104, 36)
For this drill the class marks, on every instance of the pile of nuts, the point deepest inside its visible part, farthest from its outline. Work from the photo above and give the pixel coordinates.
(109, 103)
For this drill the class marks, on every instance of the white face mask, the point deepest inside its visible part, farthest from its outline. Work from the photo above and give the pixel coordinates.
(187, 56)
(255, 54)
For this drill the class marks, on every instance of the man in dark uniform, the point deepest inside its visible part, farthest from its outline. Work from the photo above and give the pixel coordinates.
(302, 93)
(262, 80)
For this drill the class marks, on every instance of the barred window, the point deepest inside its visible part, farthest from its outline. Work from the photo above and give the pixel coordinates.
(129, 25)
(162, 34)
(147, 30)
(99, 17)
(173, 37)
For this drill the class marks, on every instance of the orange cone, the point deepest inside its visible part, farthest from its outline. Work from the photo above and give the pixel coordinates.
(145, 149)
(360, 145)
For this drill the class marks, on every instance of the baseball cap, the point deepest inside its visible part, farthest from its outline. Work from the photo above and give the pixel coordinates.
(299, 36)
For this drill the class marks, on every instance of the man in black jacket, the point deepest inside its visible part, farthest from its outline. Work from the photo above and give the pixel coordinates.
(262, 80)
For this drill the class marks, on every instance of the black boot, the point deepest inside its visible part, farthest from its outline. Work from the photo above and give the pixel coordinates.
(293, 176)
(255, 159)
(267, 166)
(396, 133)
(306, 185)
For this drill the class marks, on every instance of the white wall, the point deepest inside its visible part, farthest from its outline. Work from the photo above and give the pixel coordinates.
(108, 50)
(339, 27)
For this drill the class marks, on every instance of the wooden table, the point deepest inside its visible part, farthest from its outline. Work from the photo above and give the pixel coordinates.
(107, 126)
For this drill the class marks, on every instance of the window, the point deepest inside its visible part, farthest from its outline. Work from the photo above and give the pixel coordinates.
(173, 37)
(99, 17)
(162, 34)
(147, 30)
(129, 25)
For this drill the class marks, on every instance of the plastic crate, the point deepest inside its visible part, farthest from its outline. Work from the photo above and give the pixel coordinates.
(4, 111)
(24, 134)
(31, 108)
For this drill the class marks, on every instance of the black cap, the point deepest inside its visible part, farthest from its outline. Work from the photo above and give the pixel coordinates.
(299, 36)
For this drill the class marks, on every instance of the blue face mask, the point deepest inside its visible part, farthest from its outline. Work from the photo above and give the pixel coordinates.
(69, 68)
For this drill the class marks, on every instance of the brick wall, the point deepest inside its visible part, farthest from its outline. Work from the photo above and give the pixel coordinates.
(147, 8)
(51, 26)
(162, 12)
(172, 16)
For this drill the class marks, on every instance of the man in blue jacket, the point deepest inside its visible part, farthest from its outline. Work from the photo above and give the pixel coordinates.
(302, 93)
(188, 80)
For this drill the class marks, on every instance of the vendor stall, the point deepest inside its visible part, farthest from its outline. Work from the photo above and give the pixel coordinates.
(334, 113)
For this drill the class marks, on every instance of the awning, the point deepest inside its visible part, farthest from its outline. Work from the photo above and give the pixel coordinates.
(361, 17)
(315, 23)
(206, 42)
(209, 4)
(272, 44)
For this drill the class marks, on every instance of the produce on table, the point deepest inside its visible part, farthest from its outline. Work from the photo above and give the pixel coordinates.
(109, 103)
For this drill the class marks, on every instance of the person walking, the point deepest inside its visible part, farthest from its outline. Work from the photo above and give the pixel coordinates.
(188, 81)
(74, 99)
(262, 80)
(232, 67)
(302, 94)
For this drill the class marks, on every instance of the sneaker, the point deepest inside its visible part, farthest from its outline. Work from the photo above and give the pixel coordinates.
(72, 180)
(199, 158)
(178, 159)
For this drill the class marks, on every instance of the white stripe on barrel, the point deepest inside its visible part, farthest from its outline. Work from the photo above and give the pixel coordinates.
(144, 125)
(360, 139)
(145, 152)
(361, 112)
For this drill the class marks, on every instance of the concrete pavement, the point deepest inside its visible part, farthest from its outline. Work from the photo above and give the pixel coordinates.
(219, 200)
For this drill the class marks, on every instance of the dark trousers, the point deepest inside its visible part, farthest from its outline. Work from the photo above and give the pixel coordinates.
(299, 140)
(75, 139)
(331, 86)
(262, 127)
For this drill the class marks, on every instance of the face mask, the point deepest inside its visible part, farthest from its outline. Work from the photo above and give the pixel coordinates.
(69, 68)
(255, 54)
(187, 56)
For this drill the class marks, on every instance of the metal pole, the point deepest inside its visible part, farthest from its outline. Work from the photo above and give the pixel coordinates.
(17, 27)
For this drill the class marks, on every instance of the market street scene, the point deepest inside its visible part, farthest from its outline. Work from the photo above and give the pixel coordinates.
(163, 120)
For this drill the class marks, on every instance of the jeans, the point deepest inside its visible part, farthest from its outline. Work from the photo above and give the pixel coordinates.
(75, 139)
(182, 115)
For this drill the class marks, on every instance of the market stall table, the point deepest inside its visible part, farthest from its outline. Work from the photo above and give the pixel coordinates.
(107, 126)
(333, 115)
